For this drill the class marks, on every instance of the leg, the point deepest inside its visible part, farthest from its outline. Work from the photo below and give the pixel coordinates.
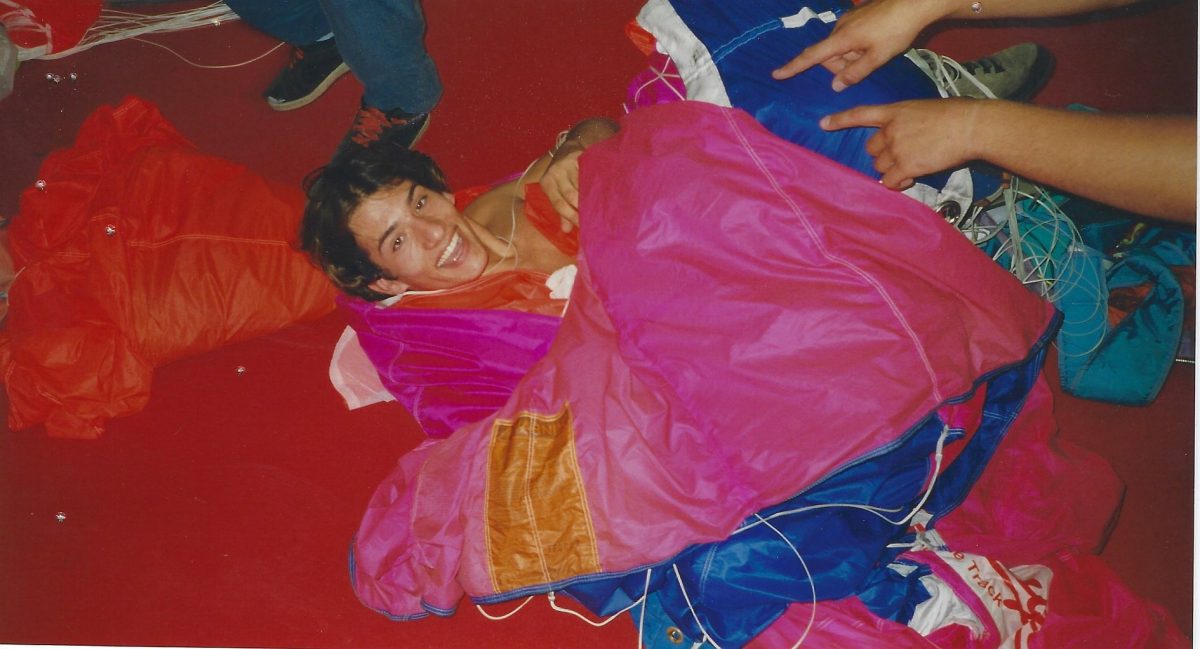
(314, 66)
(298, 22)
(383, 41)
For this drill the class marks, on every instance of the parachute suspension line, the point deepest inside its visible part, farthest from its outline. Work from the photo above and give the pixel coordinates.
(497, 618)
(560, 609)
(692, 609)
(812, 617)
(1032, 259)
(659, 75)
(937, 469)
(642, 613)
(203, 66)
(115, 25)
(550, 597)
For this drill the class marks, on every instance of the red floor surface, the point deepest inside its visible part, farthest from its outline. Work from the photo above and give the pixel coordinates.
(221, 514)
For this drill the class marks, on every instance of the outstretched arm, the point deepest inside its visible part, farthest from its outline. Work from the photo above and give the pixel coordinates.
(872, 33)
(1145, 164)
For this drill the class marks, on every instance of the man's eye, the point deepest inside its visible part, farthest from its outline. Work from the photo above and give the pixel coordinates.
(421, 202)
(397, 242)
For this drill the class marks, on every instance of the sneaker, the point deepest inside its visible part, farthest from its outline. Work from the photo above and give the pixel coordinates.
(395, 128)
(311, 70)
(1015, 73)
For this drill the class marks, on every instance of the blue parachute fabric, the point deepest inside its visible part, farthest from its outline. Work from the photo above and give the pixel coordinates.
(888, 593)
(895, 595)
(747, 40)
(837, 532)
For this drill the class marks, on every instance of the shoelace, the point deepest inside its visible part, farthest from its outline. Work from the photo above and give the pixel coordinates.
(370, 123)
(985, 66)
(946, 72)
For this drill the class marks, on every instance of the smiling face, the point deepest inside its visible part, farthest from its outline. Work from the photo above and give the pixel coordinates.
(418, 238)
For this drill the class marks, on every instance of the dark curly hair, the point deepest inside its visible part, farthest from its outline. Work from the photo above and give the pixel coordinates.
(337, 189)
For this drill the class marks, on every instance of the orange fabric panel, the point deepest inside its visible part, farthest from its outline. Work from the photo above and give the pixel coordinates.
(535, 501)
(138, 251)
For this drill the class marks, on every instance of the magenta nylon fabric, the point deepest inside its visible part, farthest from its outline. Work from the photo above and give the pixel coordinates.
(449, 367)
(748, 317)
(1038, 495)
(1089, 606)
(1040, 501)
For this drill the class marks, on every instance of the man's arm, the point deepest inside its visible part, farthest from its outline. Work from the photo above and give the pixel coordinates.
(1145, 164)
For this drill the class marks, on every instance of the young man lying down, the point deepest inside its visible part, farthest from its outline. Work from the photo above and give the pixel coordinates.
(753, 329)
(384, 221)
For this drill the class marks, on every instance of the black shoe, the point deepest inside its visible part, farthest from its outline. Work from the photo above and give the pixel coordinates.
(311, 70)
(394, 128)
(1015, 73)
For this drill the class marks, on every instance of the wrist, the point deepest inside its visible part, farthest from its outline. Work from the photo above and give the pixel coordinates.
(979, 118)
(969, 9)
(931, 11)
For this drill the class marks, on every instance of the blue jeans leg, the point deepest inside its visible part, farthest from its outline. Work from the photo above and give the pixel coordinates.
(383, 42)
(298, 22)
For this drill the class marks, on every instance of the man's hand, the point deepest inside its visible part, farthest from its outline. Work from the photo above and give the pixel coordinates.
(561, 184)
(864, 38)
(915, 138)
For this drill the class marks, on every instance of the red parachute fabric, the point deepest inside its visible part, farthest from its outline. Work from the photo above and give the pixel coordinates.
(134, 250)
(56, 24)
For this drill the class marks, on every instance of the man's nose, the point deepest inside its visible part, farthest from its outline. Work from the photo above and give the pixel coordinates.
(430, 230)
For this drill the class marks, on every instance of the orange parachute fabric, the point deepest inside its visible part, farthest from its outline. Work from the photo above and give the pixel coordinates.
(134, 250)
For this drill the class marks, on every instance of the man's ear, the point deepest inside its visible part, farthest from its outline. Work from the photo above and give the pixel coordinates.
(388, 286)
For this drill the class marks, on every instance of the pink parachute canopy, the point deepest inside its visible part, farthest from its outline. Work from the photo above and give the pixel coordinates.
(748, 318)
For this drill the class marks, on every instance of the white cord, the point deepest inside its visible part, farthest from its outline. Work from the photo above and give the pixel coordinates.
(550, 596)
(1046, 265)
(688, 600)
(208, 67)
(642, 614)
(497, 618)
(512, 233)
(659, 75)
(555, 606)
(812, 618)
(114, 25)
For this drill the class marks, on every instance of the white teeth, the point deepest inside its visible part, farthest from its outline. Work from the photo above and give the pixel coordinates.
(451, 249)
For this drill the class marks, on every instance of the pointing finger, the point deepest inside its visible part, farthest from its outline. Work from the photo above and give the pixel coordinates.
(823, 51)
(857, 116)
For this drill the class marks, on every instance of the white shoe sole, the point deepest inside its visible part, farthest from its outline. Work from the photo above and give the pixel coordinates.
(312, 96)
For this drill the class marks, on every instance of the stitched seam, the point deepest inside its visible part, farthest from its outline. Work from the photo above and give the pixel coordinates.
(912, 335)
